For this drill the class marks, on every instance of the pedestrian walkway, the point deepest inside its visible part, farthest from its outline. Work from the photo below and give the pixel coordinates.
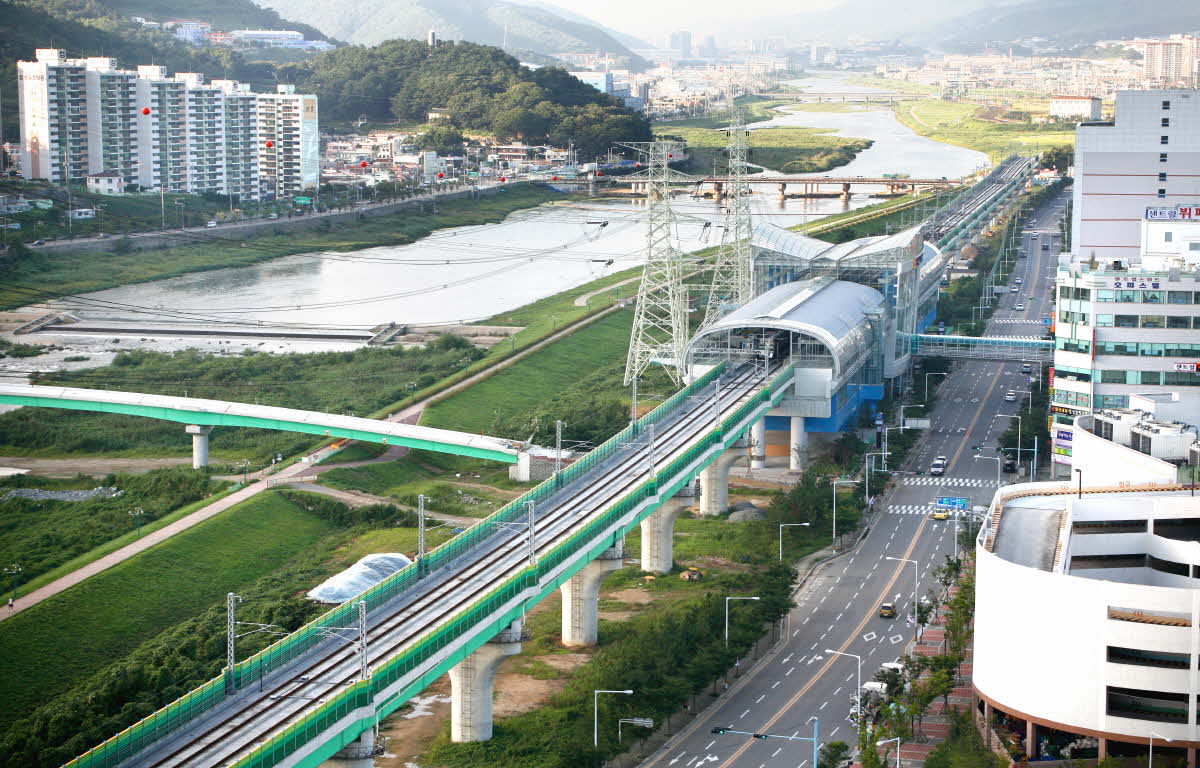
(910, 509)
(964, 482)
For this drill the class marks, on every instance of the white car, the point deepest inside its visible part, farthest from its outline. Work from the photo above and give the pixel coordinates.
(1020, 307)
(1010, 397)
(210, 225)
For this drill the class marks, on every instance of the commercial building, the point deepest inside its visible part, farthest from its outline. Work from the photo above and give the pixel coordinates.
(1148, 155)
(1075, 107)
(1087, 607)
(681, 44)
(82, 117)
(1129, 328)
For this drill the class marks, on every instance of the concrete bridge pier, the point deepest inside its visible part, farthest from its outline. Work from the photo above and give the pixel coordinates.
(758, 444)
(471, 686)
(361, 748)
(658, 554)
(798, 442)
(782, 191)
(581, 597)
(714, 483)
(199, 433)
(846, 191)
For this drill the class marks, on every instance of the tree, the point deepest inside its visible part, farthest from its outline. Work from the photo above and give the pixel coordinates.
(832, 754)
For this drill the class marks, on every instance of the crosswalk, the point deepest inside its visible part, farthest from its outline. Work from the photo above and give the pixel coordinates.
(1015, 321)
(965, 482)
(917, 509)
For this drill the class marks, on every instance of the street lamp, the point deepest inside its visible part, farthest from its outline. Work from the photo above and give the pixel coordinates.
(136, 514)
(858, 690)
(1016, 416)
(867, 470)
(787, 525)
(1154, 736)
(596, 714)
(834, 483)
(13, 570)
(727, 615)
(889, 741)
(915, 587)
(927, 382)
(641, 722)
(1080, 473)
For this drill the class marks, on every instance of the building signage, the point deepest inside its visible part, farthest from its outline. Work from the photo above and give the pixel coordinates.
(1063, 410)
(1062, 434)
(1135, 283)
(1173, 213)
(1187, 367)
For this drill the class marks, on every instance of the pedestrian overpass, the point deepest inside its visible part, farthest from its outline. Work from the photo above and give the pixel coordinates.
(1021, 348)
(202, 415)
(314, 693)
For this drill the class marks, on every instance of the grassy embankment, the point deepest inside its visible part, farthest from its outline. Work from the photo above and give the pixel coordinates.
(956, 122)
(68, 273)
(57, 643)
(44, 535)
(84, 664)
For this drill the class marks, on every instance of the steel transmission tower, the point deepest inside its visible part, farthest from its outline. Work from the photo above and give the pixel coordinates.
(732, 281)
(660, 325)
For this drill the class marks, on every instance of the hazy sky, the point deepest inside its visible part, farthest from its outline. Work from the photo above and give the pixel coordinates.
(652, 20)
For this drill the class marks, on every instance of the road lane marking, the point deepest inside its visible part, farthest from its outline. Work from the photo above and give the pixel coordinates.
(829, 662)
(744, 714)
(760, 698)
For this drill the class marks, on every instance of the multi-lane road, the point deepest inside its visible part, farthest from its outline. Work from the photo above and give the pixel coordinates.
(837, 608)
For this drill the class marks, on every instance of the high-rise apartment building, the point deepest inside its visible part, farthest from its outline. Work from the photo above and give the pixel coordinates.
(1147, 156)
(1169, 62)
(289, 121)
(86, 116)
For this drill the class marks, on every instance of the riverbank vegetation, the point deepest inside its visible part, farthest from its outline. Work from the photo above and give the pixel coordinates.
(40, 275)
(355, 382)
(787, 150)
(85, 664)
(959, 123)
(44, 533)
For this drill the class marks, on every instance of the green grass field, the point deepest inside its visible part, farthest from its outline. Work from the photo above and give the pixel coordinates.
(81, 272)
(954, 122)
(422, 472)
(536, 378)
(53, 645)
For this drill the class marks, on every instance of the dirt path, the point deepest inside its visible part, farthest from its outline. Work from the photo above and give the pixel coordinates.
(361, 499)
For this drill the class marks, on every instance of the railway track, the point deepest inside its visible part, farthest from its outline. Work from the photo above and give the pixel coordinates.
(253, 716)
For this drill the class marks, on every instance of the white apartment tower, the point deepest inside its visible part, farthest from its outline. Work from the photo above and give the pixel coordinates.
(289, 121)
(52, 93)
(86, 116)
(1147, 156)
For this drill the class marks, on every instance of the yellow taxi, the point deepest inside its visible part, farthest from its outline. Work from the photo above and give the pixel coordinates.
(887, 611)
(941, 514)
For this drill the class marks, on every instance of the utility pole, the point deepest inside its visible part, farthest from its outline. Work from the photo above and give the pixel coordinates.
(231, 601)
(557, 453)
(420, 533)
(364, 670)
(660, 325)
(732, 281)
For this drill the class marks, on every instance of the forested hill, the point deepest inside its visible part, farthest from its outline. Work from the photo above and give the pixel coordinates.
(483, 88)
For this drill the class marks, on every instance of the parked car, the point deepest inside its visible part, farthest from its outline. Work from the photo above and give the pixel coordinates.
(39, 241)
(1010, 397)
(210, 225)
(272, 215)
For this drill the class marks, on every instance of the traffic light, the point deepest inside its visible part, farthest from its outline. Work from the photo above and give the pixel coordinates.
(718, 731)
(760, 735)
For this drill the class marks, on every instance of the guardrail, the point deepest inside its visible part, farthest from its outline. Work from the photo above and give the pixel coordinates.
(178, 713)
(362, 694)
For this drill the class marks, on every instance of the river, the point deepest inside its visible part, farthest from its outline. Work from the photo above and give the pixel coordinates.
(471, 273)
